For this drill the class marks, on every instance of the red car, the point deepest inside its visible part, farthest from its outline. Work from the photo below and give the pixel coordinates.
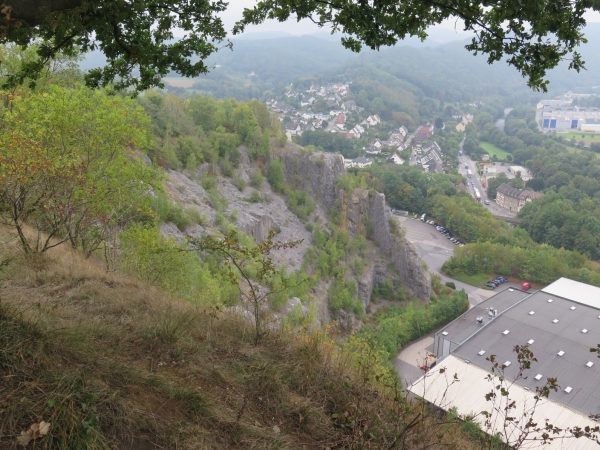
(526, 286)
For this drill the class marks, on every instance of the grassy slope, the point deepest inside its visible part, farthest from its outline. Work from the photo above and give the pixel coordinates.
(113, 363)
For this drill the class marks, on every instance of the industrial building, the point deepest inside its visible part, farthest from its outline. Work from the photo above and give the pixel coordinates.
(564, 117)
(560, 324)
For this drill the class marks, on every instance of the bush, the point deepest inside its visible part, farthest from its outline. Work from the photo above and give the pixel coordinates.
(342, 296)
(450, 284)
(301, 204)
(254, 197)
(239, 182)
(398, 326)
(256, 179)
(275, 175)
(208, 182)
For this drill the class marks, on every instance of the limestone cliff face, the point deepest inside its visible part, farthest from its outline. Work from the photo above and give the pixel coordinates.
(314, 171)
(362, 211)
(366, 210)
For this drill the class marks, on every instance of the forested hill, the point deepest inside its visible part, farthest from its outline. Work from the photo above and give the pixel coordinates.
(258, 68)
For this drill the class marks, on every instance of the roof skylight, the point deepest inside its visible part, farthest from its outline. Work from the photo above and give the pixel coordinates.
(531, 313)
(506, 363)
(445, 333)
(550, 300)
(589, 364)
(568, 389)
(555, 321)
(584, 331)
(505, 332)
(530, 341)
(481, 352)
(560, 353)
(573, 308)
(538, 376)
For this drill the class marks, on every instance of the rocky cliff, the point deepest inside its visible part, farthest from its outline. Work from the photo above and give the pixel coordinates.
(362, 211)
(316, 172)
(366, 211)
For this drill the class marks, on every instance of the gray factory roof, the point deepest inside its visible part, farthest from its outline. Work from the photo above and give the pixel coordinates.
(462, 328)
(550, 324)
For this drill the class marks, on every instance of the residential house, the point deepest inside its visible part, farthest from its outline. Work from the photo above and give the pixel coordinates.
(362, 162)
(460, 127)
(514, 199)
(292, 129)
(372, 150)
(396, 159)
(423, 133)
(349, 105)
(431, 159)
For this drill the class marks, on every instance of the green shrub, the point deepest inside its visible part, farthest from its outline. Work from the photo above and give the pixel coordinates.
(301, 204)
(275, 175)
(256, 179)
(239, 182)
(254, 197)
(342, 296)
(398, 326)
(208, 182)
(450, 284)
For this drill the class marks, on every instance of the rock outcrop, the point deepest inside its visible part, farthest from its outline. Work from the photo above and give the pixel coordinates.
(316, 172)
(366, 211)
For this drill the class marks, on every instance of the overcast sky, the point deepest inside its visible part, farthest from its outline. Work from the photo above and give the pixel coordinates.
(234, 13)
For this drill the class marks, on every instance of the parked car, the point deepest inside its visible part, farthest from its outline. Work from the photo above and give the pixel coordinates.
(487, 202)
(490, 285)
(526, 286)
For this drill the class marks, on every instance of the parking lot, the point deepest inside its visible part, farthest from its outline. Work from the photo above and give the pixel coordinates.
(435, 249)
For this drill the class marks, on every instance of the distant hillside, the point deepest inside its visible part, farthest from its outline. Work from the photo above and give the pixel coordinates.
(440, 67)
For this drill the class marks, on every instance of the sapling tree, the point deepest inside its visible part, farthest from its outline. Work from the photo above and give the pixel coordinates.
(250, 268)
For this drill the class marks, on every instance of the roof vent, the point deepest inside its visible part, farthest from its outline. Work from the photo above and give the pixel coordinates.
(481, 352)
(538, 376)
(550, 300)
(531, 313)
(511, 289)
(506, 363)
(467, 361)
(573, 308)
(560, 353)
(445, 333)
(568, 389)
(505, 332)
(589, 364)
(584, 331)
(530, 341)
(555, 321)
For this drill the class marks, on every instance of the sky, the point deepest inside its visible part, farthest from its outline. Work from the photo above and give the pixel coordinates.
(291, 26)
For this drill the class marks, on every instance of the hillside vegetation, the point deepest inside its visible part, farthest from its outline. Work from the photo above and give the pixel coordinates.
(110, 362)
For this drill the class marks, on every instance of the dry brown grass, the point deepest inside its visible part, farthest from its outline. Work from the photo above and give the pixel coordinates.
(113, 363)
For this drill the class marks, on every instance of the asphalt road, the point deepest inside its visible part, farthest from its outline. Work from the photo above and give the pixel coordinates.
(493, 207)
